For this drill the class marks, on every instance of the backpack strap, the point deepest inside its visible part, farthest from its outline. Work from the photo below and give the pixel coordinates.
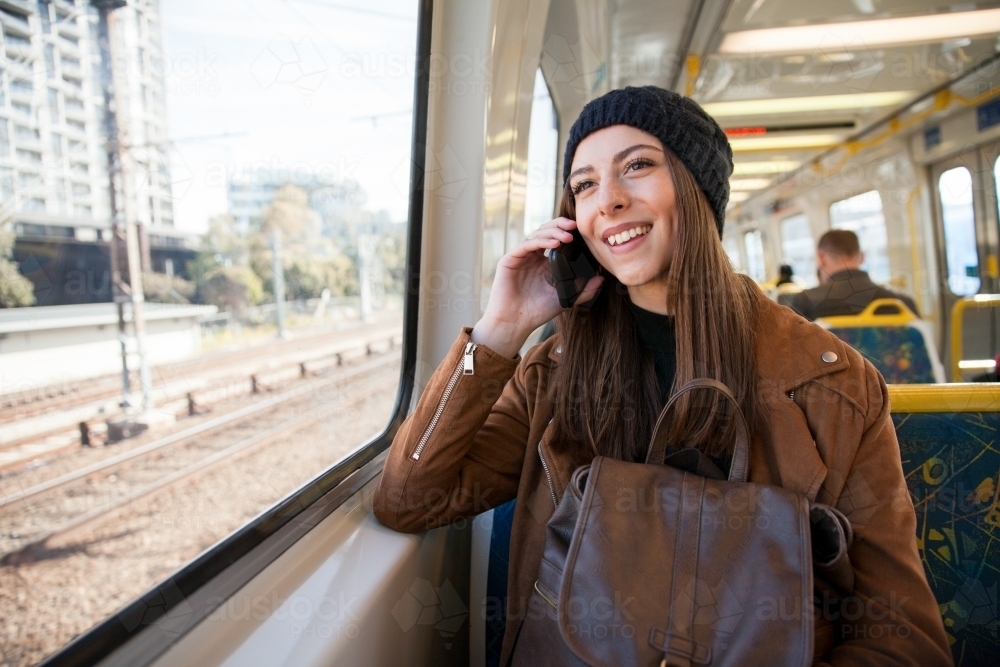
(740, 467)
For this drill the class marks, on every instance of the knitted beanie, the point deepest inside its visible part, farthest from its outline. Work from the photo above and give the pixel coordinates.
(678, 122)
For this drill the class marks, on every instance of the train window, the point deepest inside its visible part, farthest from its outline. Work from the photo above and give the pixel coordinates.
(272, 218)
(754, 246)
(959, 218)
(543, 151)
(862, 214)
(798, 249)
(732, 246)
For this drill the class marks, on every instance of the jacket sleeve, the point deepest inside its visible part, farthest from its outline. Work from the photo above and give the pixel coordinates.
(461, 450)
(892, 618)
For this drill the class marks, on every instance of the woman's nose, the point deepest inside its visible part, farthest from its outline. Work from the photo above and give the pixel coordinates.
(612, 198)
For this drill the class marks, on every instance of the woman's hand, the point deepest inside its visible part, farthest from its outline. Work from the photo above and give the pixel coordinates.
(523, 297)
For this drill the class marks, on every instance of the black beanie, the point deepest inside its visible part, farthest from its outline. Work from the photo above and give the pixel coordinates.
(678, 122)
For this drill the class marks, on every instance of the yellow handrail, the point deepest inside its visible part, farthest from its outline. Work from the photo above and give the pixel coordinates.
(942, 100)
(868, 318)
(958, 397)
(977, 301)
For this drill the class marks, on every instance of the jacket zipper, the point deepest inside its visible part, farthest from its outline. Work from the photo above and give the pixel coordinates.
(549, 601)
(465, 366)
(548, 476)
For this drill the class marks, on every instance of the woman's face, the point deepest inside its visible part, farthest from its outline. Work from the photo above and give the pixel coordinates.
(626, 207)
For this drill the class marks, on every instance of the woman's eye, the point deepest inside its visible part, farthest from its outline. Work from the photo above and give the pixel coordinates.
(637, 164)
(581, 186)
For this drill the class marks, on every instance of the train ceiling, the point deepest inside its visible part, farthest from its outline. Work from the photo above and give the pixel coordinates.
(790, 79)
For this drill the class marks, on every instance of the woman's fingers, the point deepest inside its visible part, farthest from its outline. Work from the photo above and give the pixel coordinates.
(551, 233)
(559, 226)
(562, 223)
(534, 244)
(590, 289)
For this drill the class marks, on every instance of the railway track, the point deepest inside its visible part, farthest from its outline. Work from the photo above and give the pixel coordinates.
(52, 513)
(45, 400)
(194, 392)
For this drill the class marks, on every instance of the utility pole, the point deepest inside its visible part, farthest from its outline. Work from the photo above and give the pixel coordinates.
(369, 275)
(119, 291)
(279, 281)
(119, 176)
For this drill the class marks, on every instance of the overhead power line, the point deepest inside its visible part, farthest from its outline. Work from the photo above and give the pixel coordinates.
(357, 10)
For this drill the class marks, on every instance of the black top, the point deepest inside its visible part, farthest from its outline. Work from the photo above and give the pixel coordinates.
(848, 293)
(656, 335)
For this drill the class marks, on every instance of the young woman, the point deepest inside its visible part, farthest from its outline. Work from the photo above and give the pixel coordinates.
(646, 185)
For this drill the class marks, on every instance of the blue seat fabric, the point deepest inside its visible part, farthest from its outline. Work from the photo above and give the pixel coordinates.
(496, 582)
(952, 462)
(898, 353)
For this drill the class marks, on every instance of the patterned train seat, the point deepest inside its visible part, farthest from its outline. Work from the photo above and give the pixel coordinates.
(951, 458)
(893, 339)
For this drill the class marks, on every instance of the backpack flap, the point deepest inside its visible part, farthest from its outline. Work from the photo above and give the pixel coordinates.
(669, 566)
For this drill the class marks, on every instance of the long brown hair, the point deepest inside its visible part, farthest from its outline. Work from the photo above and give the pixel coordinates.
(605, 387)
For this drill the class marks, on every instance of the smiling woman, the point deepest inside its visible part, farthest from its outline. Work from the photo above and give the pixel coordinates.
(646, 188)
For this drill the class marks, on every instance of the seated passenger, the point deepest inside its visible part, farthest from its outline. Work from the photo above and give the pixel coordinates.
(844, 288)
(785, 287)
(785, 274)
(646, 185)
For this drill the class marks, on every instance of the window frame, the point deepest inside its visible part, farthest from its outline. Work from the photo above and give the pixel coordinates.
(212, 577)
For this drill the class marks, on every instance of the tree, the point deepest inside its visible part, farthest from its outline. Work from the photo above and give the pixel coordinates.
(15, 289)
(392, 251)
(290, 214)
(163, 288)
(232, 288)
(234, 268)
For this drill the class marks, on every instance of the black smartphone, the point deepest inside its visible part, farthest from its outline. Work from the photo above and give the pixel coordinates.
(572, 265)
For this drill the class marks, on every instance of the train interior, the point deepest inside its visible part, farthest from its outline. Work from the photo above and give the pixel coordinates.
(878, 116)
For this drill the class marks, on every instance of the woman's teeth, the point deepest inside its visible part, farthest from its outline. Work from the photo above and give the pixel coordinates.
(617, 239)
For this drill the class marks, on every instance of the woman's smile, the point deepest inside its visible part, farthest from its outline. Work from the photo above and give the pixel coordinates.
(625, 237)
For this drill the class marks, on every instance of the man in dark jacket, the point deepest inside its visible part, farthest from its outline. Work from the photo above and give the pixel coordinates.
(844, 288)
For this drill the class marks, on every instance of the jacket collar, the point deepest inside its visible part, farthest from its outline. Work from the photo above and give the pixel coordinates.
(849, 274)
(790, 351)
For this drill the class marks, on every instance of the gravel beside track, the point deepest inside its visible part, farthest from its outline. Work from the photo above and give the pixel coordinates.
(67, 589)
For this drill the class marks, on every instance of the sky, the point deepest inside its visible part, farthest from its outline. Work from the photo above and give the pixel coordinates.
(291, 85)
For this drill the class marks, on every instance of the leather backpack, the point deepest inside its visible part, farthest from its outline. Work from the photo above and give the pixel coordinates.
(652, 564)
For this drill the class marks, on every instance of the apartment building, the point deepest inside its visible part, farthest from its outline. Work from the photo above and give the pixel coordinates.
(53, 164)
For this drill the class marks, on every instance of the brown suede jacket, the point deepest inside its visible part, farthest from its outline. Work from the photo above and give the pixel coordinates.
(478, 440)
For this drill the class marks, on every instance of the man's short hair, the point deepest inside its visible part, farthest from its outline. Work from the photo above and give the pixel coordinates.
(840, 242)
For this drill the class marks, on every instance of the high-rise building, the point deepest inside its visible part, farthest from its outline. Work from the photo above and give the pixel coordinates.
(53, 162)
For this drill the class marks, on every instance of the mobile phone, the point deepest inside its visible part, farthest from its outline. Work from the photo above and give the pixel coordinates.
(572, 265)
